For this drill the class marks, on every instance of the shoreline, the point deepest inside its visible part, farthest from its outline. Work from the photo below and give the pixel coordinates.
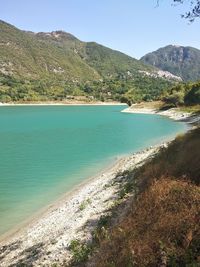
(64, 104)
(62, 221)
(48, 208)
(50, 231)
(172, 113)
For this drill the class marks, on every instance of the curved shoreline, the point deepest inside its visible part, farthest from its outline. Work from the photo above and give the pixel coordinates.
(52, 230)
(172, 113)
(49, 207)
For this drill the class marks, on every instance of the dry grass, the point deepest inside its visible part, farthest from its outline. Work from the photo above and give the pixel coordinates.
(181, 160)
(192, 109)
(151, 105)
(162, 226)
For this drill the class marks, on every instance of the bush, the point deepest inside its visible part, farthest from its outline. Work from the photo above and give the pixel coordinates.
(84, 204)
(5, 98)
(80, 251)
(127, 100)
(193, 96)
(177, 98)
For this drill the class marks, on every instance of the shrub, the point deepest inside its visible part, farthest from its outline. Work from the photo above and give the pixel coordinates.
(84, 204)
(80, 251)
(193, 96)
(176, 98)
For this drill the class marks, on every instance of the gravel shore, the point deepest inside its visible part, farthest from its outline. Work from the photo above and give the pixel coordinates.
(46, 239)
(172, 113)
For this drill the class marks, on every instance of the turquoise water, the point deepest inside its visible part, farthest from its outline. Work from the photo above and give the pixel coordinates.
(46, 150)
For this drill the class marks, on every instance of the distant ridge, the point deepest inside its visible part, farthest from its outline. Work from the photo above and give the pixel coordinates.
(179, 60)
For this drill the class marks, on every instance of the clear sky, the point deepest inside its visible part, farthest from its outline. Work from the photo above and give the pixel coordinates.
(134, 27)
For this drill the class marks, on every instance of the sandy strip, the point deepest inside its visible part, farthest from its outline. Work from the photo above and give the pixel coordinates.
(64, 104)
(172, 113)
(46, 239)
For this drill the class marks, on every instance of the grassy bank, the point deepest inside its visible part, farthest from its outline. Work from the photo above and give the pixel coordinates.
(156, 219)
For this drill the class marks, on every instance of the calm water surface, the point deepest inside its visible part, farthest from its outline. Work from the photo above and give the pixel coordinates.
(46, 150)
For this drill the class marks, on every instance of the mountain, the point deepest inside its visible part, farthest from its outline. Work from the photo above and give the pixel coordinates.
(29, 55)
(54, 65)
(60, 54)
(179, 60)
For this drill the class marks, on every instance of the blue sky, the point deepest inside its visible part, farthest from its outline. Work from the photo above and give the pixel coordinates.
(131, 26)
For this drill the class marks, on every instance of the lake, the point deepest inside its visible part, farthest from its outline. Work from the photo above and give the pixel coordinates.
(45, 151)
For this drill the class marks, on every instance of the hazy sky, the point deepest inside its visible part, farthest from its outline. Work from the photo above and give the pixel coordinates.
(134, 27)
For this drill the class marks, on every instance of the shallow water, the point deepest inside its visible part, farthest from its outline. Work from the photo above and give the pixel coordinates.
(47, 150)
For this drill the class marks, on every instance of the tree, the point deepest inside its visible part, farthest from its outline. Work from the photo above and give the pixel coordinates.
(194, 11)
(5, 99)
(193, 96)
(175, 99)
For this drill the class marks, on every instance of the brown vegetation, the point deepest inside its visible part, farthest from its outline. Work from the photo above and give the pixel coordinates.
(181, 159)
(162, 226)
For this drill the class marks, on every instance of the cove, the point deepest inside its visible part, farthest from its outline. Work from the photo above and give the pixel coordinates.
(46, 151)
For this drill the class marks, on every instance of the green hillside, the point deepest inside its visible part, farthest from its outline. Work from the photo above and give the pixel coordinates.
(24, 55)
(179, 60)
(52, 66)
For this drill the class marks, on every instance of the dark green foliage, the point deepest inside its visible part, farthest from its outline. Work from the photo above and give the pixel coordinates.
(179, 60)
(128, 91)
(176, 98)
(183, 94)
(193, 96)
(194, 9)
(103, 221)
